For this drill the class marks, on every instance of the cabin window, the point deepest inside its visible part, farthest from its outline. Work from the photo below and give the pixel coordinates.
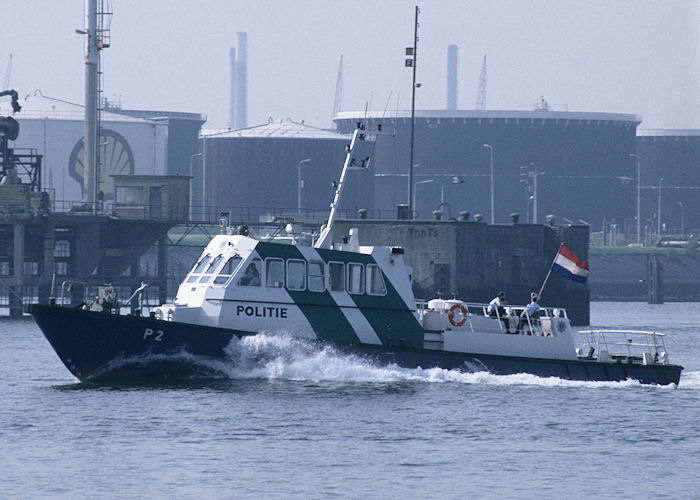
(228, 269)
(198, 267)
(356, 278)
(211, 268)
(375, 280)
(316, 276)
(336, 276)
(274, 272)
(251, 276)
(296, 274)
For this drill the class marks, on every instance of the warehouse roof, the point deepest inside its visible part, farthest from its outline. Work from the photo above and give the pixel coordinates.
(39, 106)
(276, 129)
(447, 114)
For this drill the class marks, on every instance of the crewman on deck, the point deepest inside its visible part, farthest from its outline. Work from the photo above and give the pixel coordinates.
(495, 306)
(530, 314)
(496, 309)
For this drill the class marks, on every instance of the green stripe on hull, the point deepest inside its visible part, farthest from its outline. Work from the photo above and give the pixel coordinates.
(391, 318)
(325, 317)
(323, 314)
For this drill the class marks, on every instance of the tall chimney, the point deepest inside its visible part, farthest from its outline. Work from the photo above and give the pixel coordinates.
(452, 77)
(241, 81)
(232, 99)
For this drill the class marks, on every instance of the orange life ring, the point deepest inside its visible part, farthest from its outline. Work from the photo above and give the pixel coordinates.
(451, 314)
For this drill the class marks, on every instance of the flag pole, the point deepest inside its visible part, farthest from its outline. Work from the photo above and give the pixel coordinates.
(550, 271)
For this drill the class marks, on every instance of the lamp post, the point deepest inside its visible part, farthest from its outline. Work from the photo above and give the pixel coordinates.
(634, 155)
(491, 154)
(455, 180)
(680, 204)
(306, 160)
(535, 174)
(205, 210)
(191, 183)
(658, 212)
(415, 191)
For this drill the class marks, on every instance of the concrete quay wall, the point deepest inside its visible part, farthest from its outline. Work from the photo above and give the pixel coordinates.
(624, 276)
(473, 261)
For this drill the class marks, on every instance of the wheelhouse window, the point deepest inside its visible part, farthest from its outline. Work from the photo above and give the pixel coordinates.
(251, 276)
(228, 270)
(296, 274)
(274, 272)
(375, 280)
(213, 265)
(198, 268)
(356, 278)
(316, 276)
(336, 276)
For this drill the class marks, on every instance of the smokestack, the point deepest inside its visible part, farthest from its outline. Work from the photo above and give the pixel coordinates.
(232, 95)
(452, 77)
(241, 81)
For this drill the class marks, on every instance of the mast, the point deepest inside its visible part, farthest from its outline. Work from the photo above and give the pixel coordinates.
(92, 57)
(411, 51)
(324, 240)
(97, 37)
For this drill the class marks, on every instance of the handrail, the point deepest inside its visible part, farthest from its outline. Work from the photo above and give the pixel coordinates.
(73, 282)
(626, 343)
(531, 324)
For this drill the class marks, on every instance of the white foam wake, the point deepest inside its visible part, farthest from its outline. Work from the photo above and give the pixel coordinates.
(690, 380)
(288, 358)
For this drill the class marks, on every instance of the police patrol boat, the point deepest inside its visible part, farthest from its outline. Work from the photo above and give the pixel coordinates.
(357, 298)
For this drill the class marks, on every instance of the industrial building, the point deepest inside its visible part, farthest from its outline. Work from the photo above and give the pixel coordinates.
(668, 163)
(133, 142)
(182, 135)
(55, 128)
(573, 165)
(280, 168)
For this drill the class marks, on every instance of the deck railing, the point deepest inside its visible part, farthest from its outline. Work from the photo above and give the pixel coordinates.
(625, 345)
(530, 325)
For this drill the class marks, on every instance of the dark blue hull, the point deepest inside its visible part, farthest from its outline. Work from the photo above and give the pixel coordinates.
(97, 346)
(590, 370)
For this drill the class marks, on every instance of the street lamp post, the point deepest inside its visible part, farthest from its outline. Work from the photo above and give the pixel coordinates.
(639, 233)
(455, 180)
(192, 184)
(658, 212)
(680, 204)
(491, 154)
(415, 191)
(306, 160)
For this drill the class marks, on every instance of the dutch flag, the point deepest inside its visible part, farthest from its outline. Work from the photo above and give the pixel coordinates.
(570, 265)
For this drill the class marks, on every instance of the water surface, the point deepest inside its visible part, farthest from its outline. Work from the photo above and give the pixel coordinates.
(287, 420)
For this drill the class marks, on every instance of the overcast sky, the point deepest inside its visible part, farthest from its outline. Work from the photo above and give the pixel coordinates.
(630, 56)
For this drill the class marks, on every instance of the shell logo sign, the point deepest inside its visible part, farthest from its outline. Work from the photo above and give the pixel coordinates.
(114, 157)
